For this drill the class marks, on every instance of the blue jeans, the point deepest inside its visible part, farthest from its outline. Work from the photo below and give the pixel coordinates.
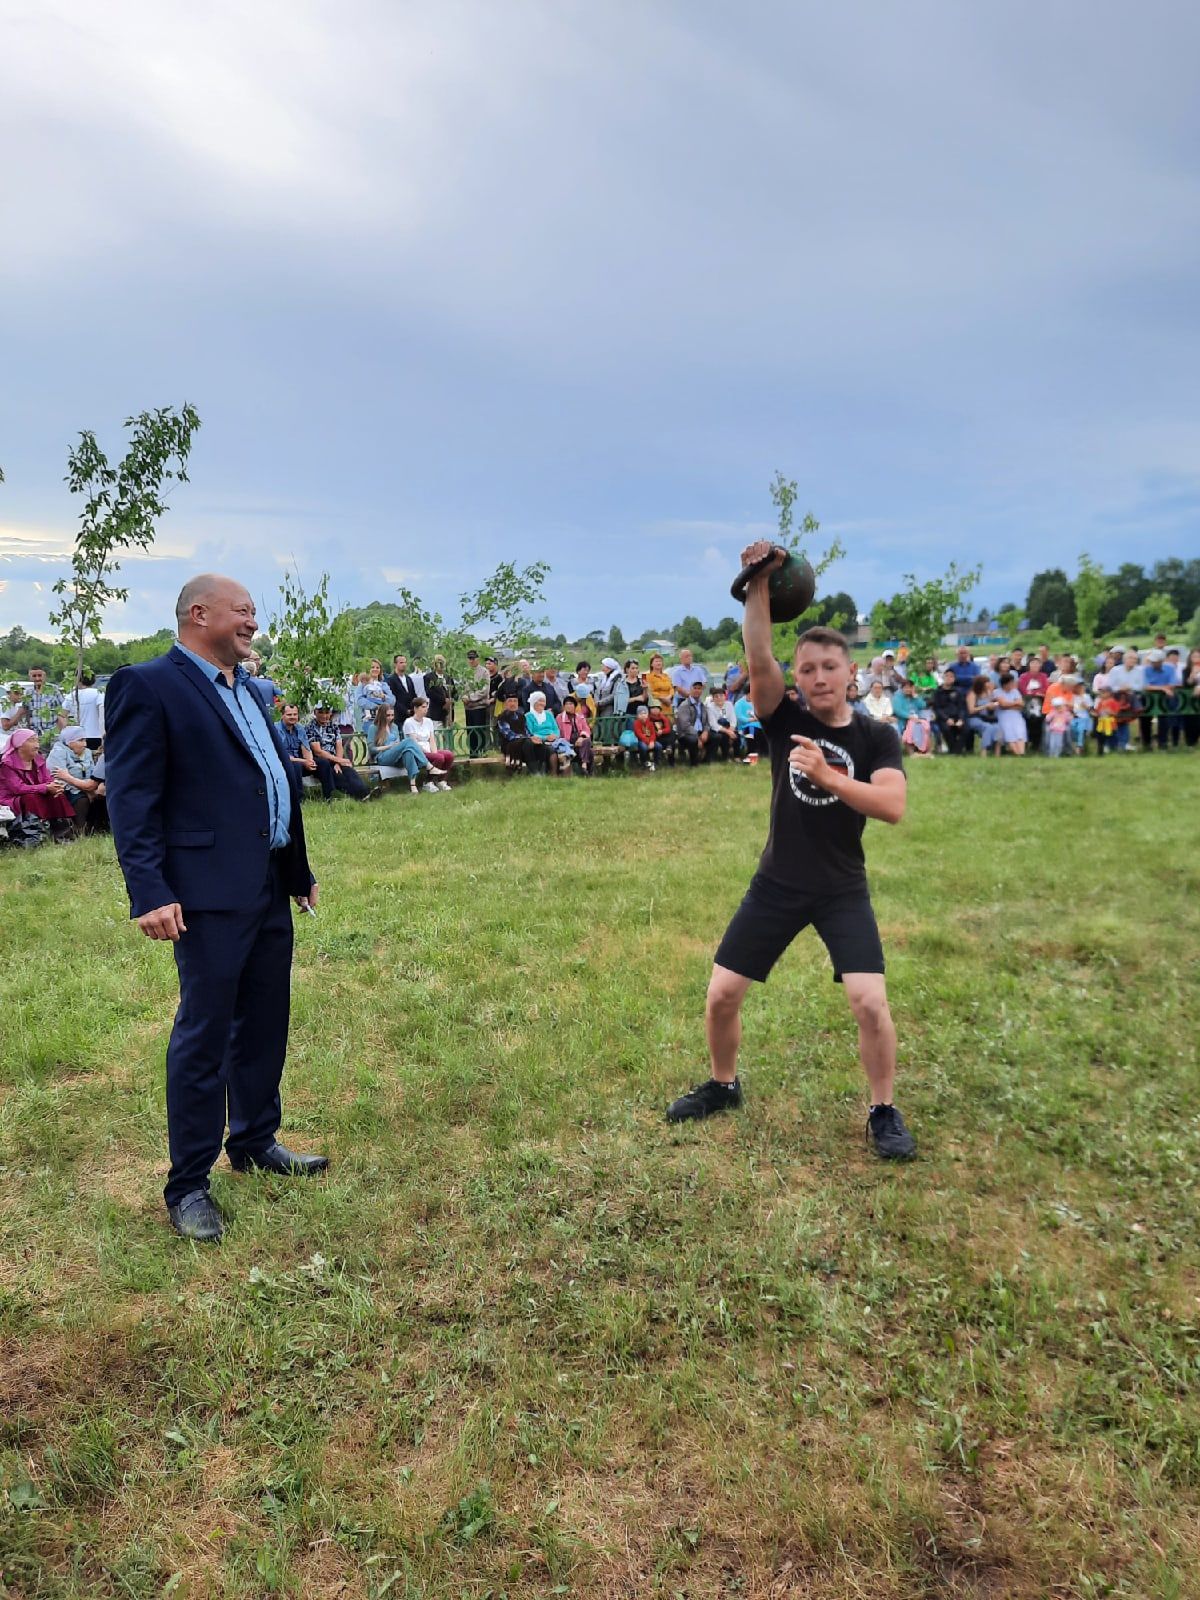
(406, 753)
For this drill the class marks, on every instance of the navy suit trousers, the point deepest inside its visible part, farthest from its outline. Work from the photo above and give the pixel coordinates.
(230, 1035)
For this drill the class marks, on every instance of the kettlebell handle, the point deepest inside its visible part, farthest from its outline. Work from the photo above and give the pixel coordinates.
(741, 583)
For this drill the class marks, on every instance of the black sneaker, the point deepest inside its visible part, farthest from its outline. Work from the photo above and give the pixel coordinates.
(703, 1099)
(887, 1135)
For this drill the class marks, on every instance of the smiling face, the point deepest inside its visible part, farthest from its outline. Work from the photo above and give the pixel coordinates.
(220, 624)
(37, 676)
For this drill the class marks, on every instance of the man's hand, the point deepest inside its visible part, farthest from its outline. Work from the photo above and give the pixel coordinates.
(809, 759)
(756, 552)
(309, 765)
(309, 900)
(165, 923)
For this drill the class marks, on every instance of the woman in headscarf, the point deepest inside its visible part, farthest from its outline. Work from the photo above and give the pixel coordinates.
(27, 787)
(70, 763)
(546, 741)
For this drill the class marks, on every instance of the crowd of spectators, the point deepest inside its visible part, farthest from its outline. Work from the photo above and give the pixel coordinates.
(547, 721)
(1037, 703)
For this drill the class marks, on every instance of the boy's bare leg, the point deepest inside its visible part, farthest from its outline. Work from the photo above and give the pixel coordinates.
(723, 1021)
(867, 994)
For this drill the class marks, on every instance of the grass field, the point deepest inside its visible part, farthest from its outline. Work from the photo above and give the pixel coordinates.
(526, 1339)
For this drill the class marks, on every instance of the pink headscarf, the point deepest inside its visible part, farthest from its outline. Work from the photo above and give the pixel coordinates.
(20, 738)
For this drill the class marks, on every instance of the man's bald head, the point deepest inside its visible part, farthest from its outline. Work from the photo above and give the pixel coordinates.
(201, 590)
(215, 618)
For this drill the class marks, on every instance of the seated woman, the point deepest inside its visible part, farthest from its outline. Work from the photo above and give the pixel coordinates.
(577, 731)
(548, 748)
(878, 703)
(27, 787)
(855, 700)
(510, 730)
(913, 718)
(750, 733)
(371, 694)
(70, 762)
(981, 715)
(638, 693)
(389, 748)
(422, 730)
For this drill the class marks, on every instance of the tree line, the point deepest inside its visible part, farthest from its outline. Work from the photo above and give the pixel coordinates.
(1129, 600)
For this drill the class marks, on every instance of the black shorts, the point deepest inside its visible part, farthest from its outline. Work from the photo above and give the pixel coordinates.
(771, 915)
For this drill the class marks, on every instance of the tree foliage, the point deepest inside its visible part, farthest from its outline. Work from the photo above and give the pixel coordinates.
(121, 507)
(500, 608)
(923, 613)
(310, 640)
(1050, 600)
(1091, 589)
(800, 542)
(1156, 614)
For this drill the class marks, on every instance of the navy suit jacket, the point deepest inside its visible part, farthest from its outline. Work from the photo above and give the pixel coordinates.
(186, 799)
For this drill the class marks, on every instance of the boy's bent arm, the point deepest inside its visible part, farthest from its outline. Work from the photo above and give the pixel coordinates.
(884, 797)
(766, 680)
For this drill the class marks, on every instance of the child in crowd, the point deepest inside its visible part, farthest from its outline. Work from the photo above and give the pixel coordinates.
(664, 731)
(1127, 712)
(1056, 725)
(1081, 718)
(1107, 706)
(577, 731)
(646, 735)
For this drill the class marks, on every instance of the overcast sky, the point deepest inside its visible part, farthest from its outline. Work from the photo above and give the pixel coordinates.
(478, 279)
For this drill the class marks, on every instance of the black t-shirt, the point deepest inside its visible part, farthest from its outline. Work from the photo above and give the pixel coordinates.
(815, 842)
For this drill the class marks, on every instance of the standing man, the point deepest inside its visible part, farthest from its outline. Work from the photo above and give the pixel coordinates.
(205, 815)
(830, 770)
(400, 682)
(476, 698)
(44, 704)
(685, 675)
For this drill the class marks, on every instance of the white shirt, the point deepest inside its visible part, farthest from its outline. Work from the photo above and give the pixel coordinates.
(422, 732)
(89, 711)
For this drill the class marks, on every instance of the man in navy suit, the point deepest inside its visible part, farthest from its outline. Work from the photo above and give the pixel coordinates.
(205, 814)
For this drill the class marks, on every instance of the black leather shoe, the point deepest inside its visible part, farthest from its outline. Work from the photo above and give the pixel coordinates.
(278, 1158)
(196, 1217)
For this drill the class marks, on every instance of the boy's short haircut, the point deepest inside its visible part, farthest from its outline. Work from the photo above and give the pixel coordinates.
(822, 635)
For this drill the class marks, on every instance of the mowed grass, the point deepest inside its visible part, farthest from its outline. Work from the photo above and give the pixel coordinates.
(525, 1339)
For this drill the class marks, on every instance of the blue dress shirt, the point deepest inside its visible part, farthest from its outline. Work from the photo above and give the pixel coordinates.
(252, 725)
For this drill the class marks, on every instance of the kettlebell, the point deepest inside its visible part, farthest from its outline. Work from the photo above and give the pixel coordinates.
(790, 588)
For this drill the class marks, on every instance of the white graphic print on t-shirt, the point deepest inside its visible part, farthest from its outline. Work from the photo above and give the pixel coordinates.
(835, 757)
